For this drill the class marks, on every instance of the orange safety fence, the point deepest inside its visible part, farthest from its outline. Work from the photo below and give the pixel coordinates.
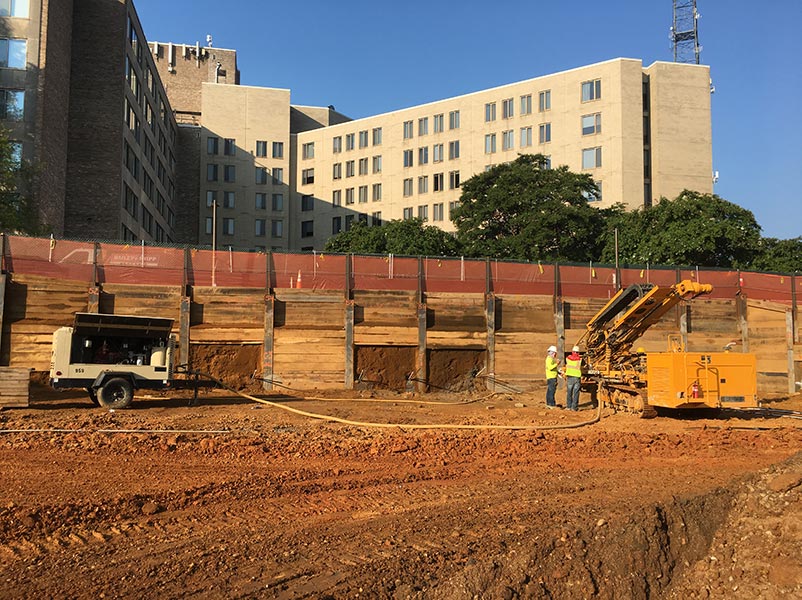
(144, 264)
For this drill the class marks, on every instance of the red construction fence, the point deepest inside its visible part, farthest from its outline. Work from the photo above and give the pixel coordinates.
(101, 262)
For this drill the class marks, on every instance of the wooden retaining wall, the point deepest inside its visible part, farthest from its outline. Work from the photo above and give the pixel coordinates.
(308, 338)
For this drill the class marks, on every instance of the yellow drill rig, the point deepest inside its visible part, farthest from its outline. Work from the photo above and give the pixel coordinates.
(637, 381)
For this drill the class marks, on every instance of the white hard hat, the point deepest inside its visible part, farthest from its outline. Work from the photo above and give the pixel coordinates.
(575, 349)
(552, 349)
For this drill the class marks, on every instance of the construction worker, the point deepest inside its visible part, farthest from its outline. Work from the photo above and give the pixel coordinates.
(573, 378)
(552, 364)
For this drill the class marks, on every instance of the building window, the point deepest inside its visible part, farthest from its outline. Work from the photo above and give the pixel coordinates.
(363, 139)
(377, 192)
(544, 133)
(349, 168)
(261, 175)
(208, 228)
(591, 158)
(336, 225)
(423, 126)
(507, 109)
(377, 136)
(307, 229)
(437, 153)
(363, 194)
(437, 211)
(228, 199)
(363, 166)
(407, 130)
(260, 227)
(526, 104)
(230, 147)
(423, 155)
(337, 171)
(408, 213)
(307, 202)
(277, 202)
(591, 90)
(490, 143)
(423, 212)
(307, 176)
(548, 163)
(228, 226)
(507, 139)
(376, 218)
(453, 180)
(337, 144)
(14, 8)
(277, 228)
(349, 220)
(212, 145)
(594, 197)
(591, 124)
(278, 175)
(408, 158)
(261, 201)
(13, 54)
(308, 150)
(453, 150)
(438, 180)
(408, 186)
(349, 196)
(490, 112)
(229, 173)
(377, 164)
(211, 172)
(453, 119)
(544, 101)
(130, 201)
(438, 123)
(423, 184)
(12, 107)
(211, 198)
(349, 141)
(452, 206)
(278, 149)
(337, 198)
(526, 137)
(261, 148)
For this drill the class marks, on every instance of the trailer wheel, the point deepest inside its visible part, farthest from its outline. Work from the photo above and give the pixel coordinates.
(93, 395)
(116, 393)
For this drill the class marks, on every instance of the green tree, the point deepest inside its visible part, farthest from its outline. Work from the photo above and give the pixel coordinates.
(18, 212)
(527, 211)
(693, 229)
(784, 256)
(408, 237)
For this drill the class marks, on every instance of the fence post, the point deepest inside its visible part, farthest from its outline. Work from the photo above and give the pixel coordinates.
(490, 320)
(2, 286)
(349, 324)
(268, 344)
(794, 309)
(789, 336)
(93, 303)
(421, 362)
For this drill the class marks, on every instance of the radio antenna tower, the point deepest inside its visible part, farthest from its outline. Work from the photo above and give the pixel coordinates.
(685, 32)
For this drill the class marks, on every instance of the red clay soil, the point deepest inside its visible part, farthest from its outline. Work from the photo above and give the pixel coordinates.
(236, 499)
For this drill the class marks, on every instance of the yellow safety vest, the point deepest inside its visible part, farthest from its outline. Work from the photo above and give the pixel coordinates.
(573, 368)
(551, 367)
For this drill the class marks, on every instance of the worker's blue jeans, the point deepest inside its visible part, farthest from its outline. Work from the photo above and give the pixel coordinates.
(572, 394)
(551, 388)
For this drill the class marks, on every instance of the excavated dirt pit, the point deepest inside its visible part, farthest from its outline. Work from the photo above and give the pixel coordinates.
(236, 499)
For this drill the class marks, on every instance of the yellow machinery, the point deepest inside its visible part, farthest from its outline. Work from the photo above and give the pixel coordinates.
(640, 381)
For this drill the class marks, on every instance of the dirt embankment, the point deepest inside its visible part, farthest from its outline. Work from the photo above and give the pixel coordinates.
(233, 499)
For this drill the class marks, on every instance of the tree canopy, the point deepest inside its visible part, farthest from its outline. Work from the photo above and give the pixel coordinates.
(527, 211)
(779, 255)
(693, 229)
(410, 237)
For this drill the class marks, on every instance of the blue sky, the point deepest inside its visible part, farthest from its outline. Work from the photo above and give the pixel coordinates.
(369, 57)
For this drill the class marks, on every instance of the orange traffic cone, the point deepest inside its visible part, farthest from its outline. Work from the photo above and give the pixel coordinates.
(298, 281)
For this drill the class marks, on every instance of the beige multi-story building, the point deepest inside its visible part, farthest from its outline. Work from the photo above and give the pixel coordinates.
(641, 133)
